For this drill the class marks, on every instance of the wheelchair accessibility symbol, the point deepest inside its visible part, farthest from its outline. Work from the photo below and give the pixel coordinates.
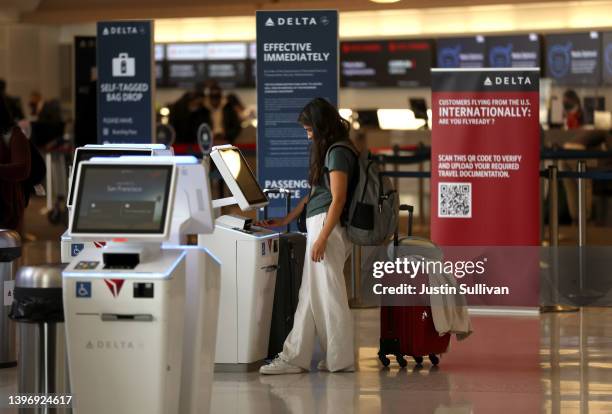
(83, 289)
(76, 249)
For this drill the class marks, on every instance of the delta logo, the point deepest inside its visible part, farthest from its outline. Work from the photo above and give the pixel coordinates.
(508, 80)
(294, 21)
(114, 285)
(122, 30)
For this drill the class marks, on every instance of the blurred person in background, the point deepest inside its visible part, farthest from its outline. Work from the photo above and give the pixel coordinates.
(186, 116)
(13, 102)
(178, 116)
(572, 110)
(226, 124)
(46, 119)
(15, 159)
(44, 110)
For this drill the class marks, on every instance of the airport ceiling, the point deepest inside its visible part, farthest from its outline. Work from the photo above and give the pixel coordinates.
(77, 11)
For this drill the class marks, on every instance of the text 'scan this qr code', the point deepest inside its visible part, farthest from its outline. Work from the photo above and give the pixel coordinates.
(455, 200)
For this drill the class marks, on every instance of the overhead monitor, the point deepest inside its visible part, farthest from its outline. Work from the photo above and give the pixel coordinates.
(123, 200)
(87, 153)
(238, 176)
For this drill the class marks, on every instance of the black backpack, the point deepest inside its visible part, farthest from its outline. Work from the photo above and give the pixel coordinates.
(38, 172)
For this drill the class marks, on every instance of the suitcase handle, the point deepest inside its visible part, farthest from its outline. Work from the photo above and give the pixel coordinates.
(410, 210)
(284, 193)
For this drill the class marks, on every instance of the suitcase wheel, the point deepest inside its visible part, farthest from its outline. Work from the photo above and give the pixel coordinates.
(384, 360)
(434, 359)
(418, 360)
(401, 361)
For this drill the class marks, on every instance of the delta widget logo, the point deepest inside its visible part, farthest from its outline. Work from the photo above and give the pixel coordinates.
(501, 56)
(449, 57)
(559, 60)
(114, 285)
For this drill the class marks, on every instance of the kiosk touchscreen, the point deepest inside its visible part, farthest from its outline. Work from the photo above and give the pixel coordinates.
(249, 257)
(125, 304)
(71, 248)
(239, 178)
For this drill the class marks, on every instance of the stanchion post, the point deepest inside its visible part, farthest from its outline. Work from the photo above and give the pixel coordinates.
(582, 213)
(582, 221)
(553, 239)
(421, 190)
(553, 206)
(49, 180)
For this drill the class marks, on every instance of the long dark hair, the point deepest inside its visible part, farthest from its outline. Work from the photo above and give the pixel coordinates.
(6, 117)
(328, 127)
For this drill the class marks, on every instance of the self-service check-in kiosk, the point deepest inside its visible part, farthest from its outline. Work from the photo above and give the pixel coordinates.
(70, 247)
(249, 257)
(126, 306)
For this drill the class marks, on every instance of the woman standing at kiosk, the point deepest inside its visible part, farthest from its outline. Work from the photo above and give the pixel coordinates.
(322, 309)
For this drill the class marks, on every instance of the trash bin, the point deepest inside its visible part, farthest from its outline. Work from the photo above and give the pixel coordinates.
(10, 251)
(38, 309)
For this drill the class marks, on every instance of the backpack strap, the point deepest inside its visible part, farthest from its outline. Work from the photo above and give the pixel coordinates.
(343, 144)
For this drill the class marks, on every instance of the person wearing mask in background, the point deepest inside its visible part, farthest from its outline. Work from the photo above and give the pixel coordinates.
(322, 309)
(15, 166)
(13, 102)
(225, 123)
(572, 110)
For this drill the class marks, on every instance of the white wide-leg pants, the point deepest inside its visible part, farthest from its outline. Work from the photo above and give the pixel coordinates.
(323, 305)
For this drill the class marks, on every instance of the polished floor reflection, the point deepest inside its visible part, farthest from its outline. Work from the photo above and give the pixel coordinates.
(552, 363)
(557, 363)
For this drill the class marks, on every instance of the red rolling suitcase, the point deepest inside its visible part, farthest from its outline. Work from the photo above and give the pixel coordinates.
(409, 330)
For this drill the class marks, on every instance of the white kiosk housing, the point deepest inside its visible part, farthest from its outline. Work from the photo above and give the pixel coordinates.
(126, 307)
(71, 248)
(249, 257)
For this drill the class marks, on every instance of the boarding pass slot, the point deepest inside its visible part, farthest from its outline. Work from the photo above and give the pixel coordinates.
(117, 317)
(121, 260)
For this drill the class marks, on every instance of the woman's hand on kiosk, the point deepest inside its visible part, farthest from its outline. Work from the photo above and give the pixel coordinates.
(274, 222)
(317, 251)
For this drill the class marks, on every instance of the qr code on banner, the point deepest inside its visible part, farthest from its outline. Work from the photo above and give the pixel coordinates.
(455, 200)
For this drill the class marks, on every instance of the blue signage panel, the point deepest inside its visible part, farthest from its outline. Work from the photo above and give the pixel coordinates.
(520, 51)
(461, 52)
(574, 58)
(297, 60)
(607, 58)
(125, 81)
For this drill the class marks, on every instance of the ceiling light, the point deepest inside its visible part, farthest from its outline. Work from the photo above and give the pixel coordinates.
(384, 1)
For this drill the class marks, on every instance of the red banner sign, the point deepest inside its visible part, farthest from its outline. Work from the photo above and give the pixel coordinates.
(485, 157)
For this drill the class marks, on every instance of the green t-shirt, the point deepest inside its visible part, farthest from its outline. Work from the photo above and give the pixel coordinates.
(340, 159)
